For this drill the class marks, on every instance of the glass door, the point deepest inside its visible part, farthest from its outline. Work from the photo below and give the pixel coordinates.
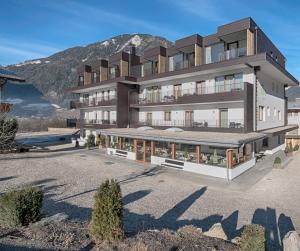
(189, 118)
(177, 91)
(224, 118)
(149, 118)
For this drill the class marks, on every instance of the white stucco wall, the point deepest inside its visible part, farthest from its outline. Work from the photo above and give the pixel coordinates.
(270, 94)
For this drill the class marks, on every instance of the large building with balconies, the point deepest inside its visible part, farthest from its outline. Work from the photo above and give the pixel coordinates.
(207, 104)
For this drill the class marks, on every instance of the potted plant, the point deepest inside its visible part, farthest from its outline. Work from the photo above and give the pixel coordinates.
(277, 163)
(90, 141)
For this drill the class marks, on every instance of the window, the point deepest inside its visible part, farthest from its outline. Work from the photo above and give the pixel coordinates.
(295, 114)
(268, 111)
(278, 140)
(167, 116)
(276, 59)
(279, 115)
(262, 115)
(201, 88)
(271, 53)
(265, 142)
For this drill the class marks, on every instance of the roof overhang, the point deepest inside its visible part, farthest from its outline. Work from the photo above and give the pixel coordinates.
(103, 84)
(279, 130)
(228, 140)
(266, 63)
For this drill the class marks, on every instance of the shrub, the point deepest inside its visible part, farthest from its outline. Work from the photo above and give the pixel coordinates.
(8, 130)
(277, 160)
(90, 140)
(21, 207)
(296, 148)
(253, 238)
(107, 216)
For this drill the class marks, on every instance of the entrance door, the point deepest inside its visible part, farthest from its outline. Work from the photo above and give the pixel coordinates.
(143, 151)
(224, 118)
(189, 118)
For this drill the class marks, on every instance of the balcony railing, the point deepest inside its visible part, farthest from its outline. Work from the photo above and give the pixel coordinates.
(159, 96)
(182, 65)
(233, 53)
(98, 121)
(104, 101)
(227, 123)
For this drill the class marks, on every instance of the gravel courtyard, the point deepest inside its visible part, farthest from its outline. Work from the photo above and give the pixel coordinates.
(157, 197)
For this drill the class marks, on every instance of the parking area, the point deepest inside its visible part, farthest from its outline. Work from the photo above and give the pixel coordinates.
(157, 197)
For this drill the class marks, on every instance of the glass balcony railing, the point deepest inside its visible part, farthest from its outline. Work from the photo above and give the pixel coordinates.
(225, 123)
(159, 96)
(233, 53)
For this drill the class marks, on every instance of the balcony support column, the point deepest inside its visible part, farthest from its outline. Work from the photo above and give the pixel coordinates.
(144, 150)
(135, 148)
(173, 150)
(229, 154)
(152, 148)
(198, 154)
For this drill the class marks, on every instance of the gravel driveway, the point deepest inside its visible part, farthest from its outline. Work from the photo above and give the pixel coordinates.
(157, 197)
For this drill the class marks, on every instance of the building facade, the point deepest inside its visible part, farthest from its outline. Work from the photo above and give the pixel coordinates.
(206, 105)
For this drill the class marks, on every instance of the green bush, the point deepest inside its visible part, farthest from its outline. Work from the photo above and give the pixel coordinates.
(8, 130)
(90, 140)
(107, 216)
(296, 148)
(277, 160)
(20, 207)
(253, 238)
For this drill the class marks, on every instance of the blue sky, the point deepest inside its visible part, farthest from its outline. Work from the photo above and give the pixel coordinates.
(39, 28)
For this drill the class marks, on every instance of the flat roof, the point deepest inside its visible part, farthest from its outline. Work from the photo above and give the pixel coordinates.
(187, 137)
(280, 129)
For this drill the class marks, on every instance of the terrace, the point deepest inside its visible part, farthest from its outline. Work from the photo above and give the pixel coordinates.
(228, 91)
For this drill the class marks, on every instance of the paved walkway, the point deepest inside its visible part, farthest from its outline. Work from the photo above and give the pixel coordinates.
(157, 197)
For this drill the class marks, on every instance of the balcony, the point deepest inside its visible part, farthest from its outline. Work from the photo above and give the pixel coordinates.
(104, 101)
(216, 93)
(234, 125)
(96, 123)
(217, 56)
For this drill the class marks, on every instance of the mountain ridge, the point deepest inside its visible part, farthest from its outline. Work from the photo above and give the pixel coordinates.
(54, 74)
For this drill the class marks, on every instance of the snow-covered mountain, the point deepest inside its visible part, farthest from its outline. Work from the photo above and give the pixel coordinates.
(54, 74)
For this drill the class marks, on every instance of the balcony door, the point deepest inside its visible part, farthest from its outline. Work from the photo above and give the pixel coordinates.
(149, 118)
(189, 118)
(177, 91)
(223, 118)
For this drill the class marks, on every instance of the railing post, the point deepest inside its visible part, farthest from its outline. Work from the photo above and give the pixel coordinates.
(198, 154)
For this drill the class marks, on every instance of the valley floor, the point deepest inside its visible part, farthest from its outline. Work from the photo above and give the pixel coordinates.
(157, 197)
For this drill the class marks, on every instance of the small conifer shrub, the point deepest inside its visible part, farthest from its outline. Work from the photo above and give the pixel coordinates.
(107, 216)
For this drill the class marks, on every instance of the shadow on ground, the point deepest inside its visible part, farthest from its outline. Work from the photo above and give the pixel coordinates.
(275, 227)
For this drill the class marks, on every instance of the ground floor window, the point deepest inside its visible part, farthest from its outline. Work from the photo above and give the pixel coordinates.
(185, 152)
(163, 149)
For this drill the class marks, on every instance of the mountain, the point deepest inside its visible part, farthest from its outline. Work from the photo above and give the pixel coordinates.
(292, 93)
(54, 74)
(27, 100)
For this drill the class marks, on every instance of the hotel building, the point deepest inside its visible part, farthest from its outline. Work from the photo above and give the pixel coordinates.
(207, 104)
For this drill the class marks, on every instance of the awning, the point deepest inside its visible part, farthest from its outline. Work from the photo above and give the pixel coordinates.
(280, 130)
(229, 140)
